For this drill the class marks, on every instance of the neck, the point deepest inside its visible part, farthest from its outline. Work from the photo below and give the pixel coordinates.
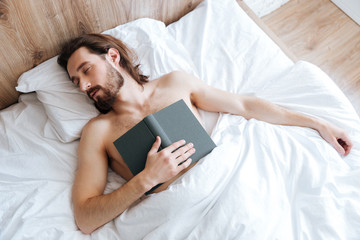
(132, 96)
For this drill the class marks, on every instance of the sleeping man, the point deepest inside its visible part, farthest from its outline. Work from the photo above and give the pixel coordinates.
(103, 68)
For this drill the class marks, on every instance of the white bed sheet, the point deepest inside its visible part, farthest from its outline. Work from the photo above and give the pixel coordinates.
(261, 182)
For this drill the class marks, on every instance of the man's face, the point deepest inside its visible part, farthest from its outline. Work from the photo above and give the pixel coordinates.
(96, 77)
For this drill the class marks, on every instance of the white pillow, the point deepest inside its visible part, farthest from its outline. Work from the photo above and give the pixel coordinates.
(69, 109)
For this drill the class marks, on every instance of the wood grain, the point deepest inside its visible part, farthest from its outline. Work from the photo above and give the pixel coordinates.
(32, 31)
(319, 32)
(267, 30)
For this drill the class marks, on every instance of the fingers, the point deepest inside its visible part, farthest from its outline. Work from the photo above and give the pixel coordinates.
(337, 137)
(184, 152)
(346, 144)
(181, 152)
(338, 147)
(342, 145)
(185, 148)
(176, 145)
(185, 164)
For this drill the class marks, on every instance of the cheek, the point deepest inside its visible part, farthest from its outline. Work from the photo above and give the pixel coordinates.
(98, 76)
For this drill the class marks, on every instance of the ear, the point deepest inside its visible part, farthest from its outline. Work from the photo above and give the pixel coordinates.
(113, 56)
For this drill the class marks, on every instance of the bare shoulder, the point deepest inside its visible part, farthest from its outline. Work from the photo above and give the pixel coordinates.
(178, 78)
(95, 131)
(95, 124)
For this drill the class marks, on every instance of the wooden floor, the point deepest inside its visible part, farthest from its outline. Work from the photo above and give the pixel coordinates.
(319, 32)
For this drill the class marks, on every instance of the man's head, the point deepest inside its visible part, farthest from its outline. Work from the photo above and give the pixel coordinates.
(93, 62)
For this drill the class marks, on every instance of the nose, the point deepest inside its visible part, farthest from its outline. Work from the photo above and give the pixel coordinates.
(84, 85)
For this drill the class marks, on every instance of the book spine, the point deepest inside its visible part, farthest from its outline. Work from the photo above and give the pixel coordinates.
(157, 130)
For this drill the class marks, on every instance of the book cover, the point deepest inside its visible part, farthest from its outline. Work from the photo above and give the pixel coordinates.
(172, 124)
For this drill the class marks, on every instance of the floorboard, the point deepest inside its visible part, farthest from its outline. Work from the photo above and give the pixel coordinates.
(319, 32)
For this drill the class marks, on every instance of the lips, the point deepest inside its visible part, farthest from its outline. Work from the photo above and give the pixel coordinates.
(93, 92)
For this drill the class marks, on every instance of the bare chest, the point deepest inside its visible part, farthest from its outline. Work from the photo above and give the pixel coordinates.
(121, 124)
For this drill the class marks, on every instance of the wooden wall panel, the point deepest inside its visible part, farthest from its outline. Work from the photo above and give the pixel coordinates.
(32, 31)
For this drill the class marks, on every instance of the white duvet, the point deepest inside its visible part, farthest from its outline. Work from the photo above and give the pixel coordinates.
(262, 181)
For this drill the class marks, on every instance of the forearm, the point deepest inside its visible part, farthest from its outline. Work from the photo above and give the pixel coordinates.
(215, 100)
(93, 209)
(265, 111)
(97, 211)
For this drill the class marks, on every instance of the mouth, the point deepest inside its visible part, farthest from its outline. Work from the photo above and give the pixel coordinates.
(93, 93)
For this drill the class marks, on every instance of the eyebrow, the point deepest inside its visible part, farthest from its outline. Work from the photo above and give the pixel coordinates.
(81, 65)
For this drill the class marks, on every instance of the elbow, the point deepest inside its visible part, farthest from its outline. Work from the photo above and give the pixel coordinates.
(244, 107)
(84, 226)
(86, 231)
(250, 107)
(84, 223)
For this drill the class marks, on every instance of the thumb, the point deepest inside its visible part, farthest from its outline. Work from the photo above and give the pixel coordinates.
(155, 147)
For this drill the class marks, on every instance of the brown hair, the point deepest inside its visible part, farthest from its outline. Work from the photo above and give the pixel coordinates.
(100, 44)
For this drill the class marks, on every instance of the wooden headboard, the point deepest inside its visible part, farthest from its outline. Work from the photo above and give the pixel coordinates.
(33, 31)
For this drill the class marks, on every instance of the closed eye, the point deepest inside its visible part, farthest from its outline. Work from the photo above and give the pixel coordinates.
(86, 69)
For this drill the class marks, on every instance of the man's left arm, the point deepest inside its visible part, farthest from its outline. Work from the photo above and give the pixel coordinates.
(215, 100)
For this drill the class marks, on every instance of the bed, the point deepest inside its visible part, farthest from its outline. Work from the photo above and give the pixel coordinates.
(262, 181)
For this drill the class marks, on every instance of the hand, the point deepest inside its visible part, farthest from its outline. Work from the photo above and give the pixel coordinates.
(162, 166)
(336, 137)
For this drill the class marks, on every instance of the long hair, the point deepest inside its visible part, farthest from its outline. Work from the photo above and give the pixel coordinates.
(100, 44)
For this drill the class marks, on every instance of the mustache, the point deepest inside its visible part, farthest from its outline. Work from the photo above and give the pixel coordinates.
(91, 90)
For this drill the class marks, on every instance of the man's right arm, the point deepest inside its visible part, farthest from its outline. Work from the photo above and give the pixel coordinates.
(93, 208)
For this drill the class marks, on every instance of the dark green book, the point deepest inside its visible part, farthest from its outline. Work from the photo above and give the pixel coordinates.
(172, 124)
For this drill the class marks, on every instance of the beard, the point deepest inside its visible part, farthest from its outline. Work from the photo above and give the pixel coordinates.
(114, 81)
